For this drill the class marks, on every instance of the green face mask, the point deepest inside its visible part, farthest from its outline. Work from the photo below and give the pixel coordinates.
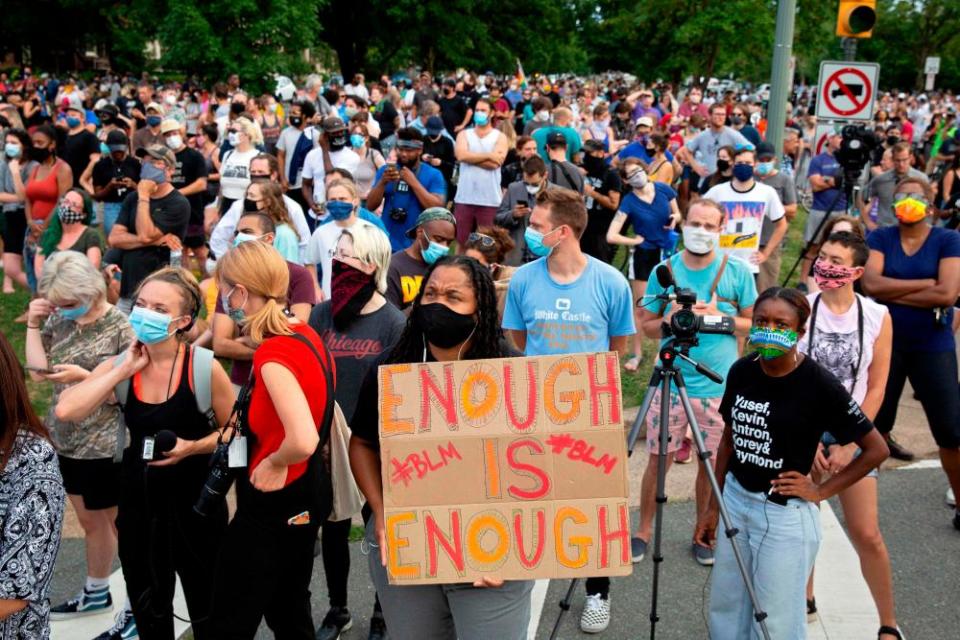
(772, 343)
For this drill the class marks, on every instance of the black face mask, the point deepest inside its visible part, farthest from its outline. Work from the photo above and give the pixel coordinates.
(40, 154)
(249, 206)
(237, 108)
(442, 326)
(892, 140)
(295, 122)
(338, 142)
(594, 166)
(723, 165)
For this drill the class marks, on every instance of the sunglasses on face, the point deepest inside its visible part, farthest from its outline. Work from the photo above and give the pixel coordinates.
(900, 197)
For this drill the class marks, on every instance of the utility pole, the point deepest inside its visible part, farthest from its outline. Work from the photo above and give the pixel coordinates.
(781, 74)
(849, 48)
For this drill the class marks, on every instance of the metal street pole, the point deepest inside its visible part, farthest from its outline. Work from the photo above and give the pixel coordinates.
(781, 75)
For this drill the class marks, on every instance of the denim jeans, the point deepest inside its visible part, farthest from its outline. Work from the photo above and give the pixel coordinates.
(778, 545)
(111, 211)
(29, 254)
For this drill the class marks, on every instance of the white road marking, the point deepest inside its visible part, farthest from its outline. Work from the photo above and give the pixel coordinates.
(536, 606)
(929, 463)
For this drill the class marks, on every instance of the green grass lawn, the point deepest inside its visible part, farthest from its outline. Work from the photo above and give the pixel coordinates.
(634, 384)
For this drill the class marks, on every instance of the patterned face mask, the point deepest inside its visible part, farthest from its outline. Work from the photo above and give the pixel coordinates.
(909, 208)
(68, 215)
(772, 343)
(833, 276)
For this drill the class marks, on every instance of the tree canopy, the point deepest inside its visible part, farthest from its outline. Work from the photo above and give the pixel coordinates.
(649, 38)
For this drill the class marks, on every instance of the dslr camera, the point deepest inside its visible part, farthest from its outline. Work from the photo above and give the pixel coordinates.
(218, 481)
(685, 325)
(398, 214)
(856, 148)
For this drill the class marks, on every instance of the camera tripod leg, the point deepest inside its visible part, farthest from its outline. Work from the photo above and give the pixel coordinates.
(729, 530)
(665, 376)
(564, 607)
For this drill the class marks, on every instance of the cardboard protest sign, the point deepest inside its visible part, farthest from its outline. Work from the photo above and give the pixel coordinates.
(514, 468)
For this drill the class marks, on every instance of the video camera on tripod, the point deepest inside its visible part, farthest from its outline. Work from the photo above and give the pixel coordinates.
(685, 324)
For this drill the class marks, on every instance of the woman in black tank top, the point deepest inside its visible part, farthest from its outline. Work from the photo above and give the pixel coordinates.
(160, 536)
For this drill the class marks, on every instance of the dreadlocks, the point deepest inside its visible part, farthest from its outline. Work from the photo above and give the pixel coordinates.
(487, 341)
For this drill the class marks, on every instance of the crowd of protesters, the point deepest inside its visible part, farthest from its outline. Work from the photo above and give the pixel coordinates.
(305, 241)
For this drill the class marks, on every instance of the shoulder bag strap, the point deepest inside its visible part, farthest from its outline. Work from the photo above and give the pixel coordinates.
(325, 364)
(201, 375)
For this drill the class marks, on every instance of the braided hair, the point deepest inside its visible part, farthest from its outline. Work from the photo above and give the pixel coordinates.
(487, 340)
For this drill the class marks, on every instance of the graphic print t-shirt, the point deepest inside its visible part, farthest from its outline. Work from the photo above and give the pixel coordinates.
(579, 317)
(776, 424)
(745, 213)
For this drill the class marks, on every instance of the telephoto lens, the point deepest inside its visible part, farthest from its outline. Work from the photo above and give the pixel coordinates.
(218, 482)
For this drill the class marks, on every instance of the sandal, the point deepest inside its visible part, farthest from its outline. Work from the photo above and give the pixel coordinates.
(891, 631)
(633, 363)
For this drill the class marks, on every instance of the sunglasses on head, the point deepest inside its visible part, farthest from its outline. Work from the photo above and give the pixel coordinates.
(483, 239)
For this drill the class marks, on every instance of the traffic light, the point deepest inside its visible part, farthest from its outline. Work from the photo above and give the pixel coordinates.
(856, 18)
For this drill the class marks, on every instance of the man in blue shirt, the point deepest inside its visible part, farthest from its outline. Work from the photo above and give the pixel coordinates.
(406, 188)
(724, 287)
(825, 175)
(638, 148)
(568, 302)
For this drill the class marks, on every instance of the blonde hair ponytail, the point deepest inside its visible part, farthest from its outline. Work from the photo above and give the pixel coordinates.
(263, 272)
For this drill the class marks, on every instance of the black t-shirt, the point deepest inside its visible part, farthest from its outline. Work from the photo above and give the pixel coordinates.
(404, 278)
(385, 116)
(777, 422)
(594, 238)
(452, 112)
(106, 170)
(190, 167)
(170, 214)
(77, 150)
(445, 151)
(355, 350)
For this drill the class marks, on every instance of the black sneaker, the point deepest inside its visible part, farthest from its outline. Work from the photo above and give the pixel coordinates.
(898, 451)
(124, 628)
(378, 627)
(811, 610)
(337, 620)
(956, 519)
(87, 603)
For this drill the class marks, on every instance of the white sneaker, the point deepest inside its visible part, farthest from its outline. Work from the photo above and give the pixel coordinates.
(596, 614)
(951, 499)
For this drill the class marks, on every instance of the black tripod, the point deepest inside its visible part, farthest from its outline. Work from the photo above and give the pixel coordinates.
(661, 378)
(850, 187)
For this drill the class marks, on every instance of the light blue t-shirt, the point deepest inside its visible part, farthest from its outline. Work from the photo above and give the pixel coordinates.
(579, 317)
(718, 352)
(287, 243)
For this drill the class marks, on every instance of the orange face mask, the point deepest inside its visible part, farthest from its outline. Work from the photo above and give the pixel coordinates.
(910, 210)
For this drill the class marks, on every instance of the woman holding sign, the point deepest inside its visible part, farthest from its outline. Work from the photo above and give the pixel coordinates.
(766, 453)
(446, 324)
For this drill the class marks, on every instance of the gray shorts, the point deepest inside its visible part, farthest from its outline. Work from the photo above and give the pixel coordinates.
(450, 611)
(813, 221)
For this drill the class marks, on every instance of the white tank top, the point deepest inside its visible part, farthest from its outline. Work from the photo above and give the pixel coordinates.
(836, 342)
(479, 186)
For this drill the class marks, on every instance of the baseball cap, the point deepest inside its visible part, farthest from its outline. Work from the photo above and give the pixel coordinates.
(766, 150)
(434, 125)
(645, 121)
(107, 110)
(117, 140)
(160, 152)
(168, 125)
(556, 139)
(333, 123)
(592, 145)
(429, 215)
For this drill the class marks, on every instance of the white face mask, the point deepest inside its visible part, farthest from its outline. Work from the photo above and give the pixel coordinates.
(533, 189)
(699, 241)
(174, 142)
(542, 116)
(638, 179)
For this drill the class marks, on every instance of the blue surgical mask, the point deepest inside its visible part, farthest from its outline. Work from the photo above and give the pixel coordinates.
(742, 172)
(75, 313)
(154, 121)
(764, 168)
(434, 251)
(244, 237)
(356, 140)
(150, 327)
(237, 315)
(534, 240)
(339, 210)
(12, 150)
(150, 172)
(73, 122)
(481, 118)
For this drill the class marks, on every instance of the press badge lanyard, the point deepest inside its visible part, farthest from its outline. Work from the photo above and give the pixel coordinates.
(813, 329)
